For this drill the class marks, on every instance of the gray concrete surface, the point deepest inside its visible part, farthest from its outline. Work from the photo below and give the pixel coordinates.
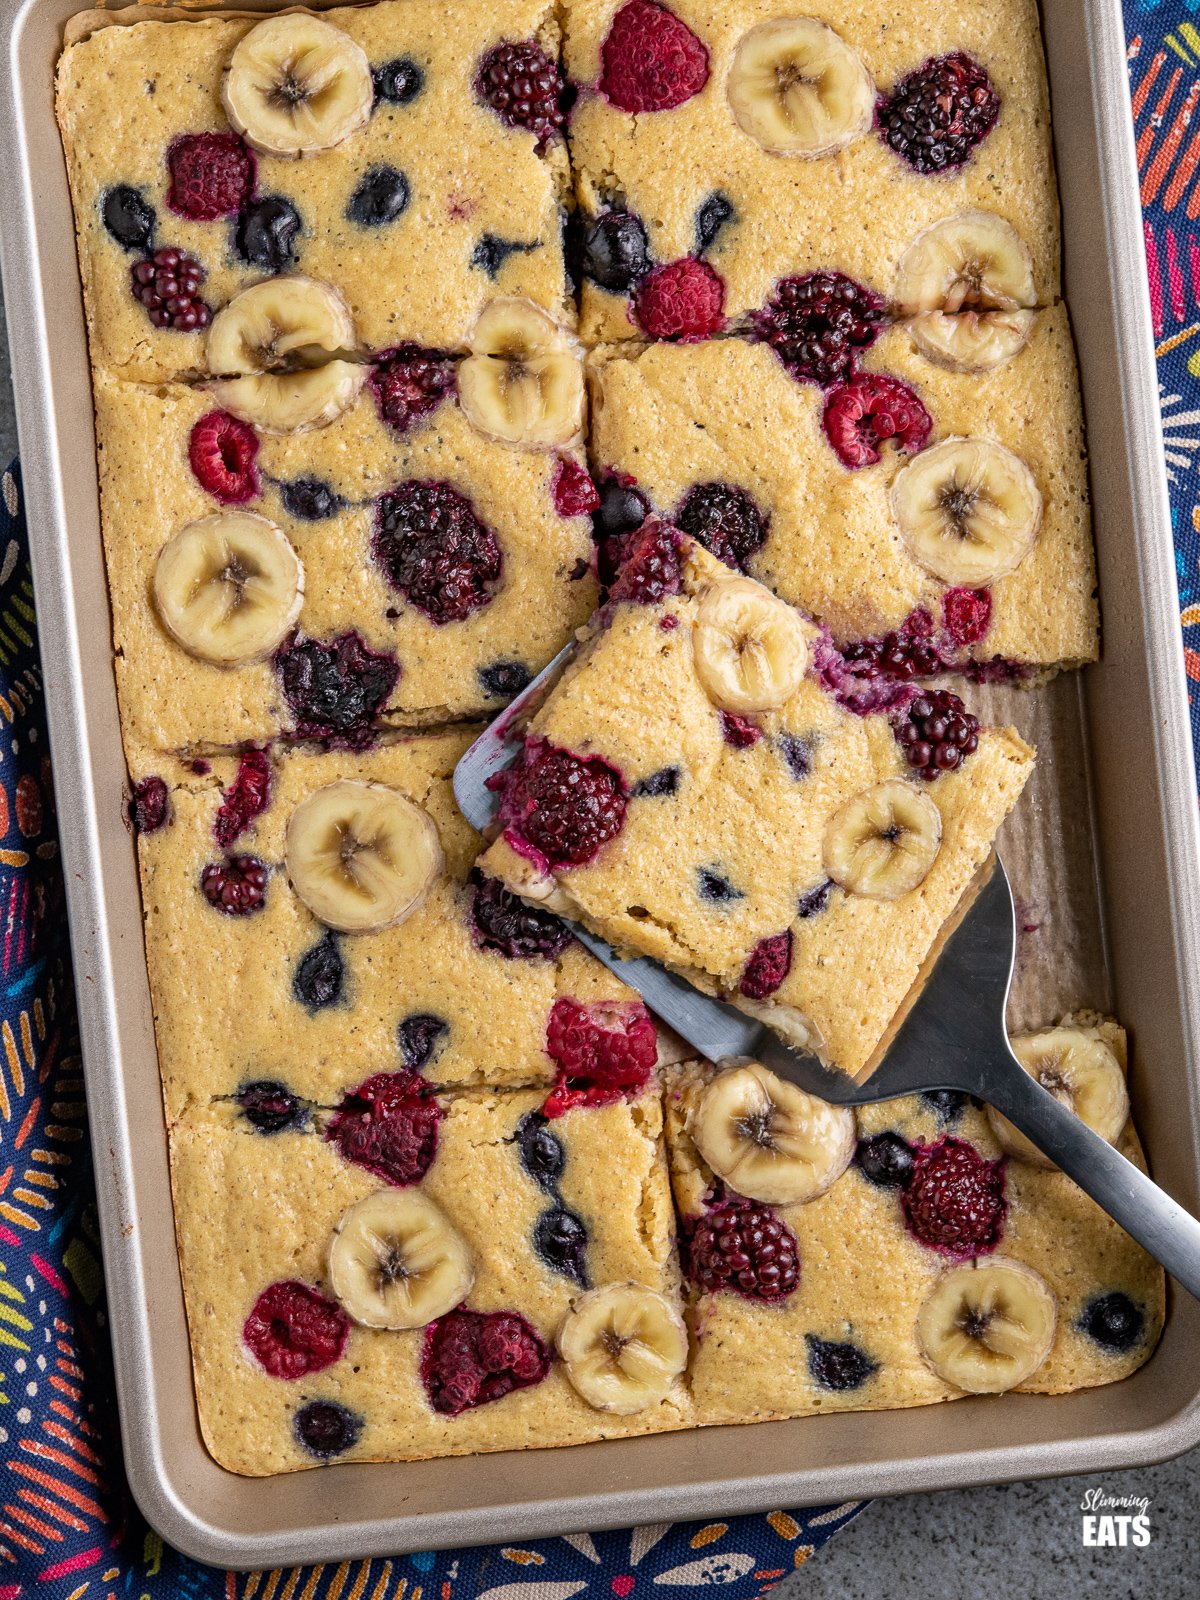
(1024, 1540)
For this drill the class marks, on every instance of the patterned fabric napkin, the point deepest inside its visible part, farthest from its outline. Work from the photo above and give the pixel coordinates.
(67, 1527)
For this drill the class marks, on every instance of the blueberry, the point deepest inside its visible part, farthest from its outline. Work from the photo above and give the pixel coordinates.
(886, 1161)
(614, 252)
(129, 217)
(398, 81)
(712, 216)
(813, 902)
(419, 1036)
(379, 199)
(542, 1153)
(561, 1239)
(310, 499)
(664, 781)
(1114, 1321)
(266, 233)
(319, 976)
(838, 1366)
(326, 1429)
(797, 752)
(504, 678)
(271, 1107)
(621, 509)
(490, 254)
(947, 1105)
(712, 886)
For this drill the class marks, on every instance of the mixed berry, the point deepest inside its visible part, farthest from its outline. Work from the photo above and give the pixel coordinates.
(797, 753)
(149, 805)
(409, 383)
(502, 921)
(966, 615)
(431, 546)
(937, 116)
(335, 688)
(247, 797)
(622, 509)
(954, 1201)
(294, 1330)
(715, 887)
(168, 285)
(683, 300)
(725, 520)
(472, 1357)
(742, 1246)
(524, 88)
(565, 806)
(819, 324)
(870, 410)
(769, 964)
(221, 453)
(420, 1037)
(603, 1053)
(271, 1107)
(236, 886)
(813, 901)
(937, 734)
(491, 252)
(212, 175)
(947, 1105)
(650, 60)
(389, 1125)
(320, 975)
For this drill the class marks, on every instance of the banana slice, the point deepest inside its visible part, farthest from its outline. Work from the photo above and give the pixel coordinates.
(768, 1139)
(798, 89)
(971, 341)
(623, 1346)
(1082, 1073)
(267, 347)
(228, 588)
(396, 1261)
(750, 649)
(523, 381)
(296, 85)
(361, 856)
(882, 842)
(968, 510)
(988, 1325)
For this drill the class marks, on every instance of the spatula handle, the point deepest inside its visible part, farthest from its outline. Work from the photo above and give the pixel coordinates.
(1146, 1212)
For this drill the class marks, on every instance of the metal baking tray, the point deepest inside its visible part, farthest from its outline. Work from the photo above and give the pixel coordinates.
(1129, 715)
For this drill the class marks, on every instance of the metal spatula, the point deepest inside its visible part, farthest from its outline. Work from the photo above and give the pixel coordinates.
(953, 1037)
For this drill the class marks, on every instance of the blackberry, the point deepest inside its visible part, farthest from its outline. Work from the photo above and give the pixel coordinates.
(420, 1037)
(504, 679)
(955, 1201)
(712, 885)
(503, 922)
(542, 1153)
(432, 547)
(819, 324)
(409, 382)
(937, 116)
(838, 1366)
(168, 284)
(129, 217)
(265, 235)
(649, 569)
(886, 1160)
(326, 1429)
(150, 805)
(663, 782)
(310, 499)
(744, 1247)
(335, 688)
(270, 1107)
(236, 886)
(904, 654)
(491, 252)
(938, 734)
(769, 964)
(381, 196)
(1114, 1321)
(399, 81)
(566, 806)
(711, 217)
(524, 88)
(319, 976)
(561, 1239)
(614, 251)
(725, 520)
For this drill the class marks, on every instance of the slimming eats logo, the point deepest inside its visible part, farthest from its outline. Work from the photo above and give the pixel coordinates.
(1115, 1519)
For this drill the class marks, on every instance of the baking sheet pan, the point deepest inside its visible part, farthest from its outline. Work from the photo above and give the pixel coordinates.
(1115, 786)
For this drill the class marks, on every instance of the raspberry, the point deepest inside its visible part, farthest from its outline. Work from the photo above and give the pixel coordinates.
(936, 116)
(409, 382)
(212, 175)
(389, 1125)
(221, 452)
(682, 300)
(742, 1246)
(649, 569)
(861, 415)
(565, 806)
(955, 1201)
(725, 520)
(602, 1052)
(129, 217)
(561, 1239)
(613, 250)
(293, 1330)
(167, 284)
(738, 731)
(575, 495)
(237, 886)
(319, 975)
(1113, 1321)
(650, 60)
(472, 1357)
(838, 1366)
(419, 1037)
(325, 1429)
(247, 797)
(886, 1160)
(937, 734)
(541, 1152)
(435, 550)
(524, 88)
(819, 324)
(335, 688)
(501, 921)
(150, 807)
(769, 964)
(967, 615)
(270, 1107)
